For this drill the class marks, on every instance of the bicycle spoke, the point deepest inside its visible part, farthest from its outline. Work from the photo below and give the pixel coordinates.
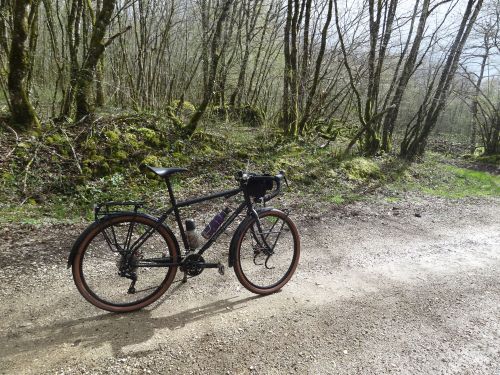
(122, 255)
(277, 237)
(265, 267)
(104, 258)
(144, 290)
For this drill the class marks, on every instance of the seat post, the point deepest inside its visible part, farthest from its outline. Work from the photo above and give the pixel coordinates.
(170, 191)
(176, 212)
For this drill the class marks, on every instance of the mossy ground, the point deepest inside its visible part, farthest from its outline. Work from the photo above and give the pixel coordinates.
(61, 173)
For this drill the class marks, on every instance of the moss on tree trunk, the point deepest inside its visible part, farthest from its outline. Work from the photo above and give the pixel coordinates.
(23, 113)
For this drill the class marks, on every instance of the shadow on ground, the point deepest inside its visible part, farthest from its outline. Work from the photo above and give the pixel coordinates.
(117, 330)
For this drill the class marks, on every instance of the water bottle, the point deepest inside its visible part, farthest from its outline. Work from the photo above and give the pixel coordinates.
(193, 238)
(215, 224)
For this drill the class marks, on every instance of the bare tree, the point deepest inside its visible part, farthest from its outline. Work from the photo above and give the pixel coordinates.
(417, 133)
(299, 92)
(215, 53)
(5, 17)
(96, 49)
(252, 11)
(284, 60)
(484, 96)
(317, 68)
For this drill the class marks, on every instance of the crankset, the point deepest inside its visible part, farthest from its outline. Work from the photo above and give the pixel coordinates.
(194, 264)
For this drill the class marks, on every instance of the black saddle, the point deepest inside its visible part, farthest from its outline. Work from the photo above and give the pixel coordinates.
(165, 172)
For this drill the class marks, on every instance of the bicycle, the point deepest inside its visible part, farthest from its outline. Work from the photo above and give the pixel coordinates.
(128, 259)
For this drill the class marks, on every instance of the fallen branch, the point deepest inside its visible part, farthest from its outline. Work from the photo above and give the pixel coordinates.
(26, 170)
(17, 142)
(77, 162)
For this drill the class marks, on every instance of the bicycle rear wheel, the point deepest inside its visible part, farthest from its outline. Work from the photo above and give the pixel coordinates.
(119, 250)
(265, 261)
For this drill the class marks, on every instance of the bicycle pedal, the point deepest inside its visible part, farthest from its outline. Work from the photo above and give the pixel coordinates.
(221, 269)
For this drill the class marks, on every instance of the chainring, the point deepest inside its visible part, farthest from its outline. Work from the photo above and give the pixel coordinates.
(192, 265)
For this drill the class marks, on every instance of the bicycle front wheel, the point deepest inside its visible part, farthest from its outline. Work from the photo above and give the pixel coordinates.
(125, 263)
(266, 259)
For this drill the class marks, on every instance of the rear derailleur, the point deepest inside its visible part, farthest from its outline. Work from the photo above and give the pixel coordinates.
(127, 267)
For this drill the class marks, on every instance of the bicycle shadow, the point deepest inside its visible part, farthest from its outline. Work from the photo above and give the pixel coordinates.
(194, 314)
(115, 331)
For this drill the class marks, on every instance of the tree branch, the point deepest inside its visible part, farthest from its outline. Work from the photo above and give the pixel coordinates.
(110, 40)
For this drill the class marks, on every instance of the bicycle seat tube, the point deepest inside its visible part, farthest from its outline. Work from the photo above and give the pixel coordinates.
(176, 212)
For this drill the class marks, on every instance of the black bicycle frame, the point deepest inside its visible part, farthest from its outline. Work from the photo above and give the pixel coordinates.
(175, 209)
(165, 262)
(175, 206)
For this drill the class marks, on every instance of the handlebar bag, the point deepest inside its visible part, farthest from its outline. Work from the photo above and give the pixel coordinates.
(257, 186)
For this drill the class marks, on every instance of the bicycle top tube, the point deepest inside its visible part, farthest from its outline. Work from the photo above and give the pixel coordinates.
(244, 180)
(222, 194)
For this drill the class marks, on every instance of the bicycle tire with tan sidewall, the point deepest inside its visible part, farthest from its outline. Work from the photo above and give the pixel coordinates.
(79, 278)
(237, 262)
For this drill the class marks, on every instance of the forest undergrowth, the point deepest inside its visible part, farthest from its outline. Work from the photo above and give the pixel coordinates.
(59, 173)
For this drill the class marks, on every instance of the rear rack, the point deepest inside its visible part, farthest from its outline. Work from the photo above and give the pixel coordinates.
(109, 208)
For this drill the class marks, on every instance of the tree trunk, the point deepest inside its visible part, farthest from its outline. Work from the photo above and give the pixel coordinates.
(205, 34)
(190, 128)
(99, 84)
(415, 142)
(84, 106)
(23, 113)
(370, 115)
(287, 72)
(99, 87)
(408, 69)
(32, 42)
(73, 39)
(492, 146)
(475, 103)
(4, 12)
(250, 23)
(319, 61)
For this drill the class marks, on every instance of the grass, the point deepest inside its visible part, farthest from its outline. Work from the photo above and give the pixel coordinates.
(39, 214)
(462, 183)
(491, 159)
(436, 177)
(335, 199)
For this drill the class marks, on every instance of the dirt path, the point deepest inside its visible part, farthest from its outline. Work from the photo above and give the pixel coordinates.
(378, 290)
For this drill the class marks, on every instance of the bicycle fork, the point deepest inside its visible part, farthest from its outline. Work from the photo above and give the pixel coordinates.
(266, 248)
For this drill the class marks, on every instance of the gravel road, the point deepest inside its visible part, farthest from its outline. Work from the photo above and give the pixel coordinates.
(408, 288)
